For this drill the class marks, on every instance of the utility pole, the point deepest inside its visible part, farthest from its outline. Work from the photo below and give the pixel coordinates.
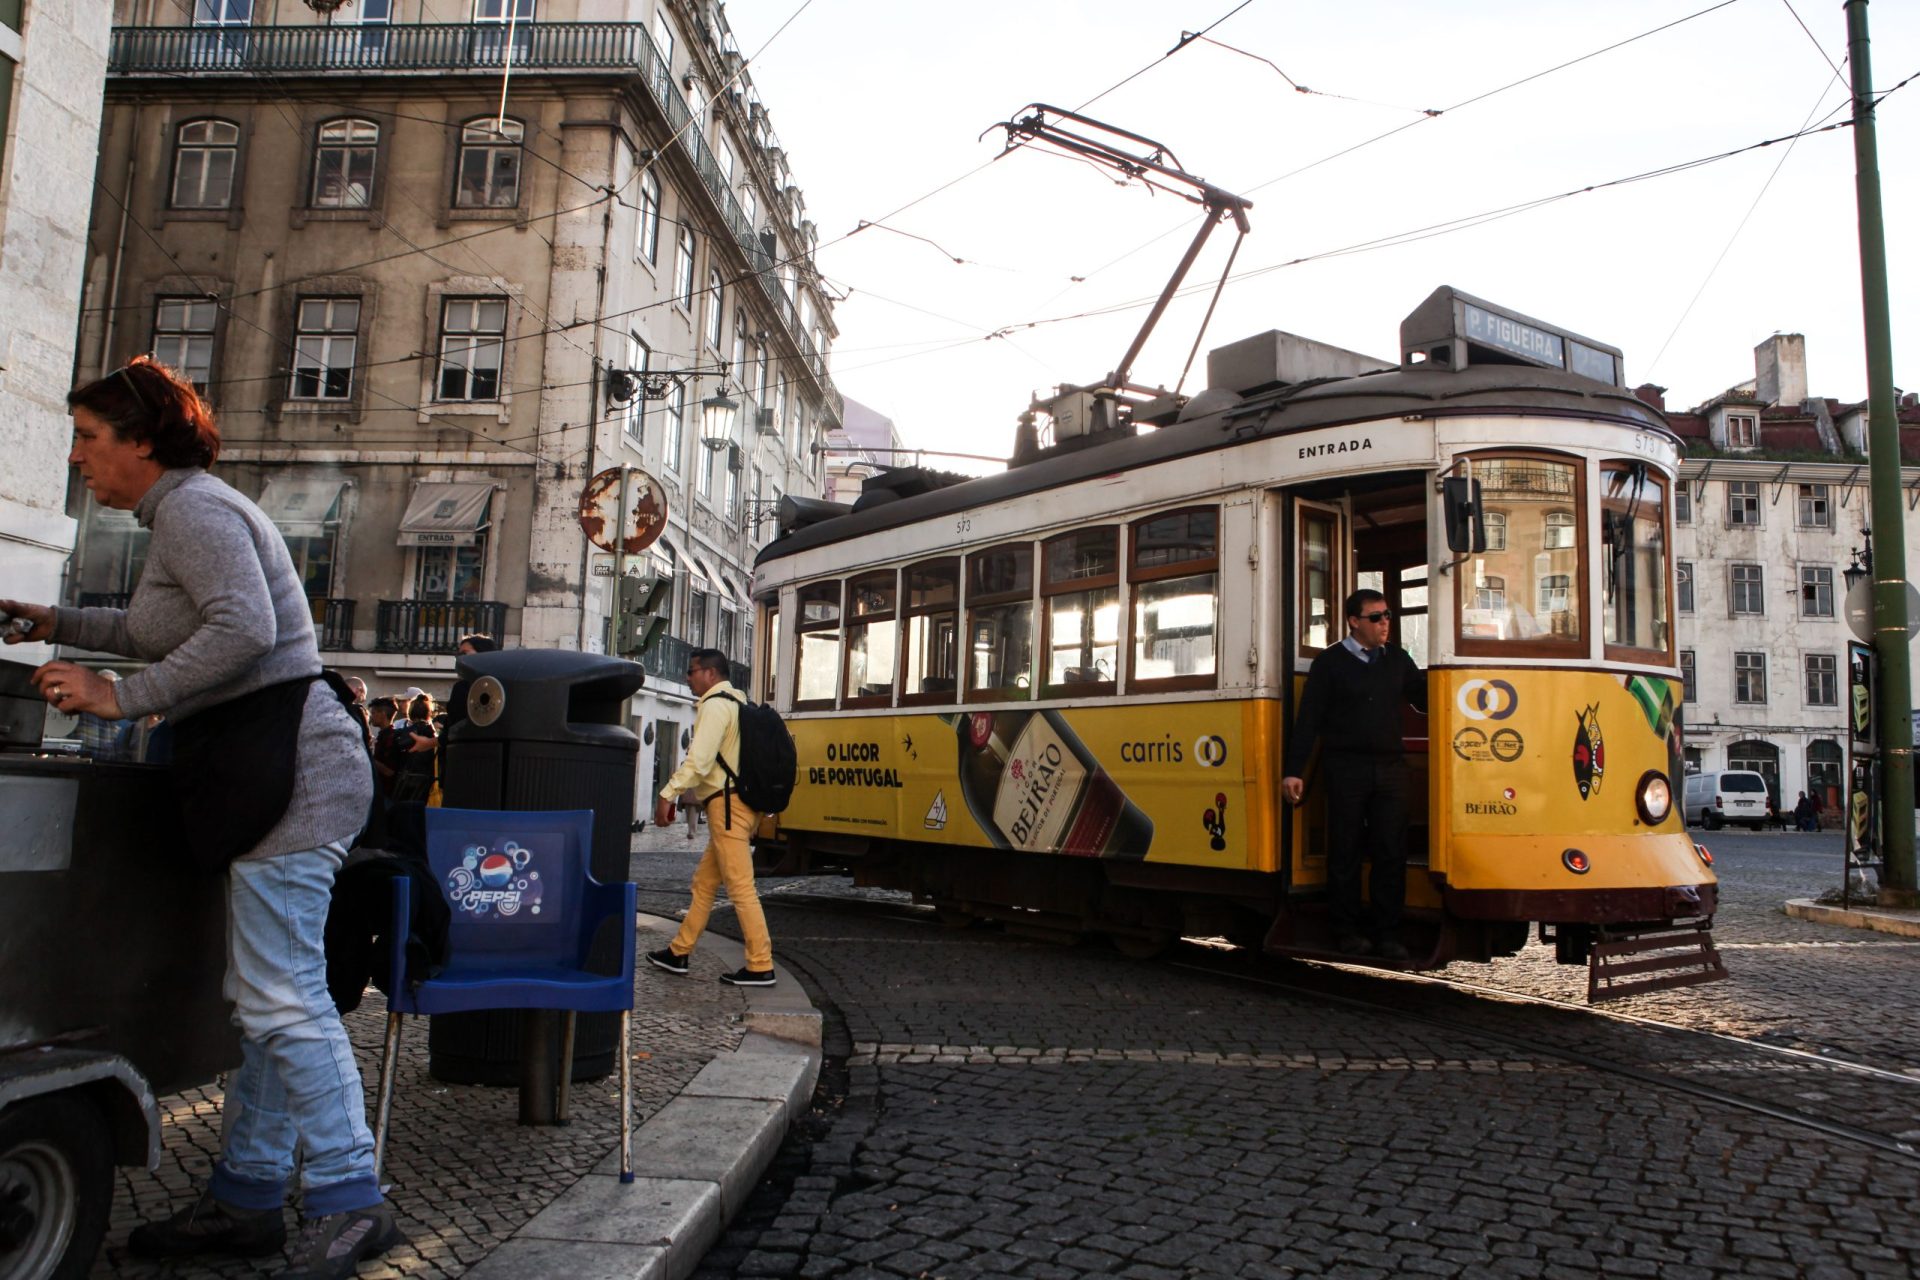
(1883, 465)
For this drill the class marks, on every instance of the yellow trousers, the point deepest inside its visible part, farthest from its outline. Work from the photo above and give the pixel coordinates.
(728, 860)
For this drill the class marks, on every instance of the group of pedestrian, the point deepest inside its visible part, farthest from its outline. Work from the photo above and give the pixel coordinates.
(1807, 812)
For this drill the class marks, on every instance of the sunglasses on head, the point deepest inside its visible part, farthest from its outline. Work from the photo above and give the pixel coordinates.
(1378, 615)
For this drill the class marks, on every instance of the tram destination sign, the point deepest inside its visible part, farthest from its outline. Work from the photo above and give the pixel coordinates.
(1452, 328)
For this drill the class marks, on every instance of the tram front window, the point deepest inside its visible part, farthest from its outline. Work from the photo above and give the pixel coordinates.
(1634, 559)
(1525, 586)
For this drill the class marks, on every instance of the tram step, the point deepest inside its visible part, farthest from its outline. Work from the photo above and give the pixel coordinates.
(1689, 958)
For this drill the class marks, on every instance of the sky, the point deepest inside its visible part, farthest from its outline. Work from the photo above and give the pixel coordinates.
(881, 104)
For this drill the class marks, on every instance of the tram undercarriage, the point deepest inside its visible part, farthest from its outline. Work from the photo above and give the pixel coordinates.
(1143, 908)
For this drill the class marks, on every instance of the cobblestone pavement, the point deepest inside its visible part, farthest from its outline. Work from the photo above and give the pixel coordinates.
(462, 1171)
(1000, 1107)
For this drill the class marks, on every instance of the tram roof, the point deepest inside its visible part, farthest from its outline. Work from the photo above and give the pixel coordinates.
(1393, 393)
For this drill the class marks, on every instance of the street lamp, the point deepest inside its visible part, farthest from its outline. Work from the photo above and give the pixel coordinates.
(718, 414)
(1862, 566)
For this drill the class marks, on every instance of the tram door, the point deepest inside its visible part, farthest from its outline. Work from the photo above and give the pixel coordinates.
(1342, 539)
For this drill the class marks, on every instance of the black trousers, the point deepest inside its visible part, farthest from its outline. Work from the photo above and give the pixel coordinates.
(1366, 816)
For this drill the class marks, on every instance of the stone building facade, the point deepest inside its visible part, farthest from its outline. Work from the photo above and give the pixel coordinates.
(439, 262)
(53, 57)
(1770, 513)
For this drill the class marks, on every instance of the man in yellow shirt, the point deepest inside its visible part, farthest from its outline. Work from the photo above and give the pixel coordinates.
(728, 859)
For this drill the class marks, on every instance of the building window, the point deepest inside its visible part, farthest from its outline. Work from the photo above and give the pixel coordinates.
(683, 268)
(723, 154)
(734, 461)
(676, 443)
(646, 232)
(472, 348)
(716, 312)
(1688, 692)
(489, 175)
(638, 359)
(1823, 680)
(1490, 593)
(1685, 579)
(1559, 531)
(1747, 581)
(1743, 431)
(325, 341)
(739, 366)
(1683, 502)
(183, 337)
(703, 466)
(205, 154)
(663, 38)
(372, 17)
(1816, 506)
(1750, 677)
(1816, 591)
(451, 573)
(343, 164)
(1556, 593)
(221, 46)
(699, 601)
(1743, 503)
(1496, 530)
(494, 18)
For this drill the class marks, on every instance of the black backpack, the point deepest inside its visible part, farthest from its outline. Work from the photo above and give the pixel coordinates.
(768, 764)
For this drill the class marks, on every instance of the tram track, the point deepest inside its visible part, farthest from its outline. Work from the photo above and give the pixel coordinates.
(1347, 986)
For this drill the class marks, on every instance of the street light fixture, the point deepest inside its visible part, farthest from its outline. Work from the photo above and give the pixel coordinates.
(1862, 566)
(718, 414)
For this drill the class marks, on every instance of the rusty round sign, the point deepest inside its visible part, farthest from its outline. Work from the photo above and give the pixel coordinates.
(633, 530)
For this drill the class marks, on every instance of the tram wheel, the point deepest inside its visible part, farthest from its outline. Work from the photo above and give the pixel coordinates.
(56, 1188)
(1142, 946)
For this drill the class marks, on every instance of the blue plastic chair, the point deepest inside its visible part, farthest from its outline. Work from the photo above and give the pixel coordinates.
(524, 909)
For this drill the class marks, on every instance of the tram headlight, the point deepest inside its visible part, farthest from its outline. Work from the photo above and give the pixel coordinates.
(1654, 797)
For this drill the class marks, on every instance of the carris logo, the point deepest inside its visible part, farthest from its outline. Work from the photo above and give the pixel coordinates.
(1487, 700)
(1210, 750)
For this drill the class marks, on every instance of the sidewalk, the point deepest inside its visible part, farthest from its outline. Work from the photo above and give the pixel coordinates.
(1901, 921)
(719, 1072)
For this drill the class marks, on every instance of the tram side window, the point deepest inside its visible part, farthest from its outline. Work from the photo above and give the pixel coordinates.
(1000, 623)
(1526, 587)
(1174, 575)
(930, 603)
(768, 661)
(817, 624)
(872, 639)
(1082, 591)
(1634, 560)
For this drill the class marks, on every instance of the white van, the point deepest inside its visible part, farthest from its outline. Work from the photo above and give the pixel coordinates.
(1719, 796)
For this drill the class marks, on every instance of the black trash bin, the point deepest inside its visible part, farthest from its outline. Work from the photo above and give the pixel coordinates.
(544, 730)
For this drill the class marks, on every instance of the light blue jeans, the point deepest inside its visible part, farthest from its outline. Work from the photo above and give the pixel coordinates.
(297, 1085)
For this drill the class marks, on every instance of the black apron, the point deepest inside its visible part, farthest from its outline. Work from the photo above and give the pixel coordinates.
(233, 769)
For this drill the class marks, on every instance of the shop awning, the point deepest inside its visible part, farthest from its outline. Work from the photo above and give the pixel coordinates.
(302, 508)
(446, 515)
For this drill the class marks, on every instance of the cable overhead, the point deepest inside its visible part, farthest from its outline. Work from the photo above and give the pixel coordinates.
(1186, 38)
(1297, 87)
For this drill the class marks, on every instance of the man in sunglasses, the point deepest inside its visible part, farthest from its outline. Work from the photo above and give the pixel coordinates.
(1351, 710)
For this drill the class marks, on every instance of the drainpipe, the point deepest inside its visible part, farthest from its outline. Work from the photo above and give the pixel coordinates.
(119, 248)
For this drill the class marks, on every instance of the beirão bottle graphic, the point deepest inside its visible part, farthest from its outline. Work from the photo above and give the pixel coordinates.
(1032, 785)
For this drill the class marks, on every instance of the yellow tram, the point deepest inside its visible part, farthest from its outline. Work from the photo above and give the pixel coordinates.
(1058, 696)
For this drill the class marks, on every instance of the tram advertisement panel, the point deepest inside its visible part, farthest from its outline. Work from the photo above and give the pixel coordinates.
(1529, 750)
(1167, 783)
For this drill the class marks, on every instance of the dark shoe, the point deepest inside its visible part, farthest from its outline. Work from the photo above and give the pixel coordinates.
(665, 959)
(208, 1226)
(749, 978)
(1390, 949)
(331, 1247)
(1354, 945)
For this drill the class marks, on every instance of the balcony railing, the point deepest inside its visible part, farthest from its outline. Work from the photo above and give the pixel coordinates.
(425, 46)
(435, 626)
(667, 660)
(333, 622)
(104, 599)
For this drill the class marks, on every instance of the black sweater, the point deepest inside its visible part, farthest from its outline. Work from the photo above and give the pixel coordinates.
(1353, 706)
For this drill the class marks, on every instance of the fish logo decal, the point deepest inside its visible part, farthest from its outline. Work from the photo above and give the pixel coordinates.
(1589, 752)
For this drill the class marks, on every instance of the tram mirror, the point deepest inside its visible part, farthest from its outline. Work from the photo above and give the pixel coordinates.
(1466, 522)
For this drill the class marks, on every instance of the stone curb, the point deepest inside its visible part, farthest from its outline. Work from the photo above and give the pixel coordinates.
(696, 1159)
(1902, 924)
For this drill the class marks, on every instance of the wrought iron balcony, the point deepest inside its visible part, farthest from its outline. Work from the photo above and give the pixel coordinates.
(103, 599)
(668, 661)
(435, 626)
(332, 622)
(427, 46)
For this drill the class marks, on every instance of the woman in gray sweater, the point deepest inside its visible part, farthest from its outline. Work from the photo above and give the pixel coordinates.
(273, 778)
